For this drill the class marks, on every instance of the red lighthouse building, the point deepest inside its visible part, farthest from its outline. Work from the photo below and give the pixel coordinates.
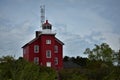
(45, 49)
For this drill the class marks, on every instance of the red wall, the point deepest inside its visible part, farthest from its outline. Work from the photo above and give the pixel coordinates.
(41, 41)
(26, 53)
(59, 55)
(47, 47)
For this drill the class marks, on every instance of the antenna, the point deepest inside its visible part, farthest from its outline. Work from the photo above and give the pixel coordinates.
(42, 10)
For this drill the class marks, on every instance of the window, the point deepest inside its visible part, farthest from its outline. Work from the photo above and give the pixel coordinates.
(36, 49)
(56, 61)
(48, 53)
(48, 27)
(48, 64)
(56, 49)
(36, 60)
(48, 41)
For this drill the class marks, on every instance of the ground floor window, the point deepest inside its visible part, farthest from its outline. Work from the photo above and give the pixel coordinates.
(48, 64)
(36, 60)
(56, 61)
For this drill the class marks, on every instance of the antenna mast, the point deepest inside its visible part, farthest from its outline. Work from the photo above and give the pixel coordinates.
(42, 10)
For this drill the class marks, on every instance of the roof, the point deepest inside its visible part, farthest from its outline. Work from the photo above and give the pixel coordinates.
(70, 64)
(59, 41)
(29, 42)
(38, 37)
(47, 23)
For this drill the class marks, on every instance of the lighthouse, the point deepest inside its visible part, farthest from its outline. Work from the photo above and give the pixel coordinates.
(45, 49)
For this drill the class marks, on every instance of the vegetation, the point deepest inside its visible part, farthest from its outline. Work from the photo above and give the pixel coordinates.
(98, 66)
(11, 69)
(100, 52)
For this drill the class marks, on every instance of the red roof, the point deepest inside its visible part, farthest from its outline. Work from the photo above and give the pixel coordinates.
(47, 23)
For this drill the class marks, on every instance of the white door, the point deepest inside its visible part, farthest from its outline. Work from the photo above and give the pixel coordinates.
(48, 64)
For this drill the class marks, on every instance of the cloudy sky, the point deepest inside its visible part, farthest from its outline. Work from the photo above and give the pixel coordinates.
(78, 23)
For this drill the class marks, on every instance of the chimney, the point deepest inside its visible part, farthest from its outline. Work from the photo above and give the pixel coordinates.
(38, 33)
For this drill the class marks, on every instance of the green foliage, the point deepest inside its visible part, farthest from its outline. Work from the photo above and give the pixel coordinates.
(114, 74)
(66, 58)
(11, 69)
(78, 60)
(71, 74)
(98, 65)
(95, 70)
(100, 52)
(117, 57)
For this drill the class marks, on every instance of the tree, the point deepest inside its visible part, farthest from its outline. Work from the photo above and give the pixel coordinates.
(106, 52)
(7, 59)
(66, 58)
(81, 61)
(20, 69)
(100, 52)
(90, 54)
(117, 57)
(72, 74)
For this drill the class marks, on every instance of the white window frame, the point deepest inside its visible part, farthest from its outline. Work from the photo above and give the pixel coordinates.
(48, 64)
(56, 60)
(56, 49)
(36, 60)
(48, 41)
(36, 48)
(48, 53)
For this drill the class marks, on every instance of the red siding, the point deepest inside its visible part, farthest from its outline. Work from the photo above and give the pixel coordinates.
(26, 53)
(59, 55)
(41, 41)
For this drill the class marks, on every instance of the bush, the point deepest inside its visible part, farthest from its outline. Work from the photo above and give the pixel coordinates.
(23, 70)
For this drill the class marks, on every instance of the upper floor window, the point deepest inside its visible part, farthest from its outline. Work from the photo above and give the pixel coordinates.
(56, 49)
(48, 41)
(36, 48)
(36, 60)
(48, 53)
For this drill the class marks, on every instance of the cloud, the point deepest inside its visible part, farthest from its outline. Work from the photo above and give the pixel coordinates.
(13, 37)
(91, 24)
(78, 23)
(75, 45)
(82, 20)
(112, 39)
(72, 1)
